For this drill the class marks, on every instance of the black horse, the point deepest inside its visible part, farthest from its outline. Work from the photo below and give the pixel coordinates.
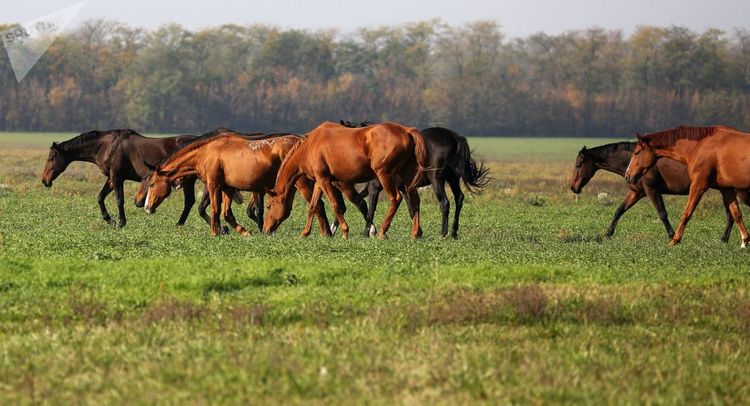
(120, 155)
(668, 177)
(450, 161)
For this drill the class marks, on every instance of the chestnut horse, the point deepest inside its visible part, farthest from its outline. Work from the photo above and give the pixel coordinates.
(451, 161)
(227, 162)
(119, 154)
(337, 157)
(715, 157)
(667, 177)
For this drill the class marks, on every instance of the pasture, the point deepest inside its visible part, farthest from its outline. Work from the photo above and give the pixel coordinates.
(531, 304)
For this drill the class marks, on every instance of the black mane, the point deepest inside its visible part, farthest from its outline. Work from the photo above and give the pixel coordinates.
(76, 142)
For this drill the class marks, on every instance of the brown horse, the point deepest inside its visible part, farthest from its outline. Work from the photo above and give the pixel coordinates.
(336, 156)
(119, 154)
(667, 177)
(227, 162)
(715, 157)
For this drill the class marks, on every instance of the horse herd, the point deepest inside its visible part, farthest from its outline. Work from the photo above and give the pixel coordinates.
(393, 158)
(330, 159)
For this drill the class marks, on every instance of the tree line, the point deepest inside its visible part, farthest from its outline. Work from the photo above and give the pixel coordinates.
(472, 78)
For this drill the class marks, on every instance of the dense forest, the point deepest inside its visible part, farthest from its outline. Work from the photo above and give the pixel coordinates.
(472, 78)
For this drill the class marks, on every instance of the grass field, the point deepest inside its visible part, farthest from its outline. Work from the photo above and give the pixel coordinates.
(532, 304)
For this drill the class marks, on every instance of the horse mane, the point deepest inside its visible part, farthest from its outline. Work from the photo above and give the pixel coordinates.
(602, 152)
(79, 140)
(669, 137)
(198, 141)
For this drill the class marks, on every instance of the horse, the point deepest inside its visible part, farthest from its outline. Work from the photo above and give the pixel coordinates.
(119, 154)
(451, 161)
(667, 177)
(336, 157)
(226, 162)
(715, 156)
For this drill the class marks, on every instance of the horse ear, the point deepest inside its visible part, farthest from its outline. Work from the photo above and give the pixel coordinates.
(270, 192)
(150, 166)
(54, 145)
(641, 138)
(342, 122)
(364, 123)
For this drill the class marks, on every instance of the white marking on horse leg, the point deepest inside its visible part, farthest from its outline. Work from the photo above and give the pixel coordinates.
(334, 228)
(743, 245)
(373, 230)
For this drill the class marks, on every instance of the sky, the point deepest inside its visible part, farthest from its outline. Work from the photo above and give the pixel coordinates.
(518, 18)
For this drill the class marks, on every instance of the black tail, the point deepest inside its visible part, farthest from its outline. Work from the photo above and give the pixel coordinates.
(474, 174)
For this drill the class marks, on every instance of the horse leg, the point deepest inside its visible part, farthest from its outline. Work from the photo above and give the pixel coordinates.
(305, 187)
(413, 201)
(106, 190)
(658, 200)
(188, 191)
(438, 187)
(697, 189)
(336, 203)
(730, 203)
(226, 197)
(215, 196)
(395, 197)
(373, 189)
(312, 209)
(458, 195)
(258, 208)
(631, 199)
(728, 228)
(355, 197)
(120, 195)
(340, 201)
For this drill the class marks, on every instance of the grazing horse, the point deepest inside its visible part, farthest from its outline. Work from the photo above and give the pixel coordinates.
(715, 157)
(227, 162)
(120, 155)
(667, 177)
(450, 161)
(337, 157)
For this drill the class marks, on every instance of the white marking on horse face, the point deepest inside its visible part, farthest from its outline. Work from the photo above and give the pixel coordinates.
(147, 205)
(629, 165)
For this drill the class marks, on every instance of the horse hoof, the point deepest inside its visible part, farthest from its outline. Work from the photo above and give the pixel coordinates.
(674, 243)
(744, 244)
(373, 231)
(121, 224)
(224, 230)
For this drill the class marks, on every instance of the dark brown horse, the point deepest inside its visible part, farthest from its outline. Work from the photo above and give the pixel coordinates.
(451, 161)
(715, 156)
(227, 162)
(120, 155)
(667, 177)
(338, 157)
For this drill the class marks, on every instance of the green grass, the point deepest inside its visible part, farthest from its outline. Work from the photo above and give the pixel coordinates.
(532, 304)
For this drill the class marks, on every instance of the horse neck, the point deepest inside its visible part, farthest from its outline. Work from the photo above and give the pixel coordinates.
(679, 151)
(182, 164)
(614, 160)
(289, 173)
(87, 151)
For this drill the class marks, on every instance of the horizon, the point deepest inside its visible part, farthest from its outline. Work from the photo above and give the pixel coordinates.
(515, 20)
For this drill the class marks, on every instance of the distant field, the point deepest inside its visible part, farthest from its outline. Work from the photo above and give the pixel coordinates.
(532, 304)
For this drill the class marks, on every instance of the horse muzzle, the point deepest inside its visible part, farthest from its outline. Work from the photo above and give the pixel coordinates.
(47, 183)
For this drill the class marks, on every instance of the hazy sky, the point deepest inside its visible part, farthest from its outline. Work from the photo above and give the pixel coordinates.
(518, 17)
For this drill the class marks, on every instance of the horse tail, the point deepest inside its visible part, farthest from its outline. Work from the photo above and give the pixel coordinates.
(237, 197)
(474, 174)
(420, 152)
